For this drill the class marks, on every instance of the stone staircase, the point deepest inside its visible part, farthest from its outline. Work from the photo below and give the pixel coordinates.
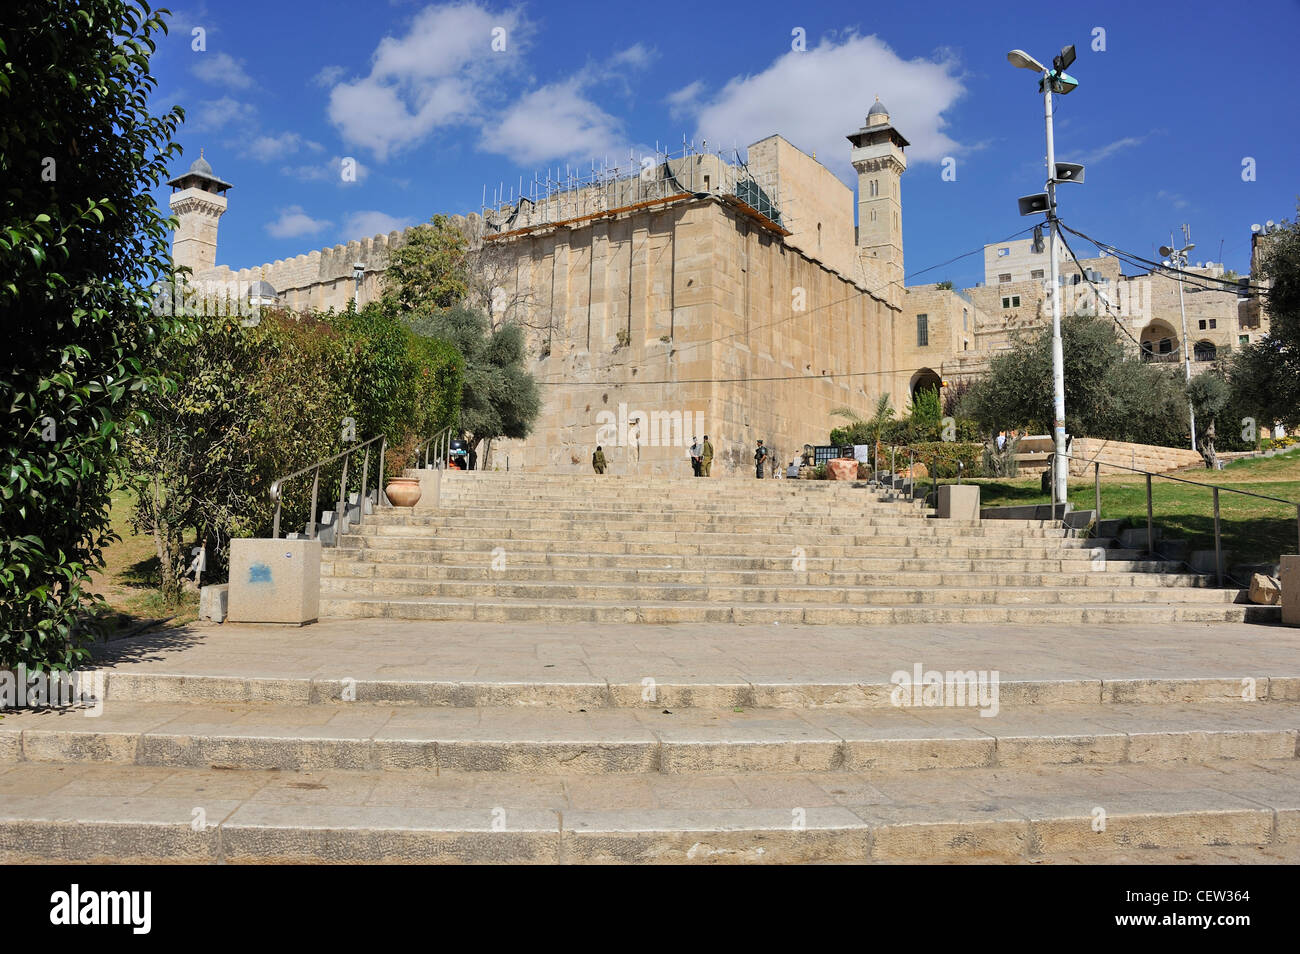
(259, 769)
(519, 547)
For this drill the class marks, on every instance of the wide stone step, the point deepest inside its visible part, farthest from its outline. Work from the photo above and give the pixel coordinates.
(793, 592)
(899, 548)
(978, 732)
(502, 609)
(62, 813)
(727, 561)
(541, 572)
(134, 684)
(759, 532)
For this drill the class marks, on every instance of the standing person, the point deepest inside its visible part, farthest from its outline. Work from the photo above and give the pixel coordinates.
(760, 455)
(598, 463)
(706, 457)
(695, 456)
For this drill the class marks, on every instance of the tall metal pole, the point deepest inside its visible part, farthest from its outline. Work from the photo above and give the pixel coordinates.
(1180, 261)
(1059, 468)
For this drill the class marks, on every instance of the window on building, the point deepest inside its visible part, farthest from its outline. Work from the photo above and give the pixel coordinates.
(1243, 340)
(1005, 278)
(922, 331)
(875, 187)
(1010, 301)
(1202, 325)
(1036, 273)
(963, 320)
(1214, 322)
(1205, 351)
(873, 215)
(1166, 345)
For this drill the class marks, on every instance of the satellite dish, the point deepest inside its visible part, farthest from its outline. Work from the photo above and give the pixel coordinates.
(1165, 251)
(1254, 228)
(1269, 225)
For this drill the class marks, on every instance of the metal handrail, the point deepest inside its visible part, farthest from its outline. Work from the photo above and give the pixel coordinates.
(1151, 543)
(441, 442)
(314, 469)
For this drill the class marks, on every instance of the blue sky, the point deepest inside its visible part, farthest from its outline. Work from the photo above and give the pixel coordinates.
(1164, 117)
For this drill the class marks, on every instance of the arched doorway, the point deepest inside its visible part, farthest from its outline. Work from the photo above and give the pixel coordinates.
(1159, 342)
(1205, 351)
(925, 380)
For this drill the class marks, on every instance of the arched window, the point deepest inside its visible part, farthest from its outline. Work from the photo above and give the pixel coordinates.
(1205, 351)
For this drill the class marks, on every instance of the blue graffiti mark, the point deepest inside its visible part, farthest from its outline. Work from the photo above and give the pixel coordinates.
(259, 573)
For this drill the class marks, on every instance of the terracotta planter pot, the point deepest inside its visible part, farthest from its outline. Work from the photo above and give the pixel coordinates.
(403, 491)
(843, 468)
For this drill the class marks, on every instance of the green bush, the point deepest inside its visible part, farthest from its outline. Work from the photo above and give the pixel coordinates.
(256, 403)
(942, 457)
(81, 239)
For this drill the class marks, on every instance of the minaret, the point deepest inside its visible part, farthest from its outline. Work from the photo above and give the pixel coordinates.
(198, 199)
(880, 163)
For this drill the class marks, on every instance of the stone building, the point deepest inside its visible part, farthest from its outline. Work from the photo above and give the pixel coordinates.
(694, 296)
(698, 296)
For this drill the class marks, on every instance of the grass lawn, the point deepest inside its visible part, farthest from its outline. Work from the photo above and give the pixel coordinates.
(1253, 531)
(129, 580)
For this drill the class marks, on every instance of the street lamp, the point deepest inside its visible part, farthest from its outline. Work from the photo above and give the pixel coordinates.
(1178, 257)
(1055, 80)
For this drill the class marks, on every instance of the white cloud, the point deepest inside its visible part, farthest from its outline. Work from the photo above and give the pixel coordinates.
(1103, 152)
(685, 100)
(637, 56)
(555, 122)
(328, 75)
(816, 98)
(295, 223)
(358, 225)
(331, 171)
(267, 148)
(221, 69)
(216, 113)
(435, 75)
(1176, 199)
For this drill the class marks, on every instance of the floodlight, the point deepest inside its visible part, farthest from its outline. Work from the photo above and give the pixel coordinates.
(1022, 60)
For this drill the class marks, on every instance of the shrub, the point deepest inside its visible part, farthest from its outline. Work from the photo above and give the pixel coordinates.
(943, 456)
(81, 239)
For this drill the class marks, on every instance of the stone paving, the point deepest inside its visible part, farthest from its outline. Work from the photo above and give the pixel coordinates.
(404, 741)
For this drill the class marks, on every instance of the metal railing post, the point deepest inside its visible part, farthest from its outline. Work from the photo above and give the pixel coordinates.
(1096, 489)
(275, 526)
(365, 478)
(311, 518)
(1051, 479)
(1218, 544)
(343, 494)
(1151, 533)
(383, 449)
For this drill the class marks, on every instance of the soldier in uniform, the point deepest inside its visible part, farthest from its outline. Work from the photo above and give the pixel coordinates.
(598, 461)
(706, 457)
(760, 456)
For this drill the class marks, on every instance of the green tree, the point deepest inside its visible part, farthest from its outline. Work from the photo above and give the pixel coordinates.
(80, 242)
(429, 270)
(1109, 391)
(1209, 395)
(1266, 375)
(499, 398)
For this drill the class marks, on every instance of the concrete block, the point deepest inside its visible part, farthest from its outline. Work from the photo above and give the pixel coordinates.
(1291, 589)
(274, 581)
(959, 503)
(430, 488)
(214, 602)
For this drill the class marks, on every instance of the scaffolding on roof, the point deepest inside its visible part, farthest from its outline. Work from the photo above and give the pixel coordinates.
(565, 197)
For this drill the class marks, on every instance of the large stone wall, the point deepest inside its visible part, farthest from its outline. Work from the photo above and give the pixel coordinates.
(690, 310)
